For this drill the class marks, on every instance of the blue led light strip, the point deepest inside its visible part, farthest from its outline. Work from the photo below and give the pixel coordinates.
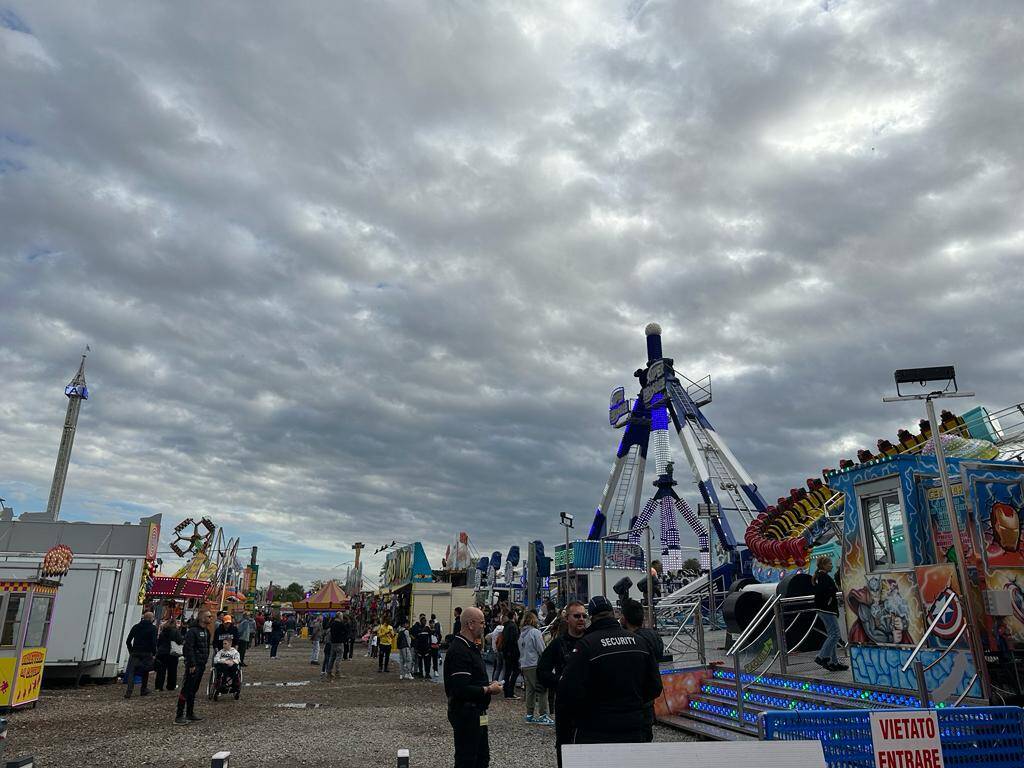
(762, 699)
(717, 709)
(836, 691)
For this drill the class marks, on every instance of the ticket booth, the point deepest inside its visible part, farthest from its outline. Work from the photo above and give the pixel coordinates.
(26, 608)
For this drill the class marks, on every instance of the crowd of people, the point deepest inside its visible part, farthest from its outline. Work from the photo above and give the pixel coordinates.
(221, 640)
(588, 671)
(596, 672)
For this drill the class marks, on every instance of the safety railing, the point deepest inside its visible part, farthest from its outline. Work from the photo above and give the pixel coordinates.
(835, 502)
(970, 737)
(788, 612)
(689, 635)
(712, 592)
(688, 613)
(743, 641)
(754, 634)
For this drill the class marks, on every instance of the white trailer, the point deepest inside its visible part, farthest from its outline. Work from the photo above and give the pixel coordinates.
(98, 601)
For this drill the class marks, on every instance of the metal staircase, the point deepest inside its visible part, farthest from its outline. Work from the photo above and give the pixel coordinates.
(718, 473)
(618, 508)
(712, 711)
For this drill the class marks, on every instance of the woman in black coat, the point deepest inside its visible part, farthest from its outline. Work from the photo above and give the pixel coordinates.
(276, 635)
(827, 605)
(166, 657)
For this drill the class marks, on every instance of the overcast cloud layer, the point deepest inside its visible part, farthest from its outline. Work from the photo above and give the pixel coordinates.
(368, 271)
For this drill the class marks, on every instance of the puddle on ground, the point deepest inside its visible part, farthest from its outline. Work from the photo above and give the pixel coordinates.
(305, 705)
(278, 685)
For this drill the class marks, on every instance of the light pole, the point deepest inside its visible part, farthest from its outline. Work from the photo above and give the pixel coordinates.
(923, 376)
(566, 522)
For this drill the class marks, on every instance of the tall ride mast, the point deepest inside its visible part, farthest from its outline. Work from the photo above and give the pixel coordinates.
(76, 392)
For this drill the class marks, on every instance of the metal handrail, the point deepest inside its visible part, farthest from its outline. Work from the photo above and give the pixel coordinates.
(797, 599)
(804, 638)
(739, 645)
(796, 618)
(739, 677)
(931, 627)
(948, 647)
(831, 501)
(970, 684)
(805, 598)
(682, 623)
(684, 614)
(703, 587)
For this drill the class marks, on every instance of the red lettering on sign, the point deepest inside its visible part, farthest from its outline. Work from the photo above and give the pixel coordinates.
(907, 728)
(909, 758)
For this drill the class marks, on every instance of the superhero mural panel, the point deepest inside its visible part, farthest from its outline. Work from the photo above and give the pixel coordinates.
(937, 584)
(1000, 505)
(885, 610)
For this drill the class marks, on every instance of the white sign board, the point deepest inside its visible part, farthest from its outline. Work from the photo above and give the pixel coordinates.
(762, 754)
(906, 739)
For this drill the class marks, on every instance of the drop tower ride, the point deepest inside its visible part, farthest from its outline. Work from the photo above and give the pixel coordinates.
(76, 392)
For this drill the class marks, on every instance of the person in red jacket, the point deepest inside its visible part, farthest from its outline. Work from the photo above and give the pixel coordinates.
(260, 621)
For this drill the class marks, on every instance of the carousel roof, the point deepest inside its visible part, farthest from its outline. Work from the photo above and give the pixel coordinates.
(328, 598)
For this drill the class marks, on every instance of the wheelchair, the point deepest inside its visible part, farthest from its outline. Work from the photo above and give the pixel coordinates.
(218, 683)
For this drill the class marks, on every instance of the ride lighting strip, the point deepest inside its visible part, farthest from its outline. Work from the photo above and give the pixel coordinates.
(837, 691)
(762, 699)
(722, 711)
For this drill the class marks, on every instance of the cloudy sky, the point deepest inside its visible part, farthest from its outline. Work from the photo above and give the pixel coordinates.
(368, 271)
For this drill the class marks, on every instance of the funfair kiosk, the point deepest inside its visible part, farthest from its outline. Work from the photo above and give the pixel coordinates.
(26, 608)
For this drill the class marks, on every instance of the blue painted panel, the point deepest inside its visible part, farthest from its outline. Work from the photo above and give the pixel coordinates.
(881, 666)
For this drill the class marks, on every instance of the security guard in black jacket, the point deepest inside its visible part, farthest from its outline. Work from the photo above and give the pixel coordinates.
(611, 679)
(552, 664)
(469, 692)
(195, 653)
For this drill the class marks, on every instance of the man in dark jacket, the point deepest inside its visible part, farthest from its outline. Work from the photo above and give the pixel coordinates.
(421, 647)
(195, 652)
(457, 626)
(611, 679)
(227, 629)
(469, 691)
(633, 622)
(510, 654)
(350, 637)
(337, 632)
(552, 665)
(141, 644)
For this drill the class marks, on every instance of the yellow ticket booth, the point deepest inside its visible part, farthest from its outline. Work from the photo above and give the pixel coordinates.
(26, 608)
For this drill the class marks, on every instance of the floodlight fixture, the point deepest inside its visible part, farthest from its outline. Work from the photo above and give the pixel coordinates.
(922, 376)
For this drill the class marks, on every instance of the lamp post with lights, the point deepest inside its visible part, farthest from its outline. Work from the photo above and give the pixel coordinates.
(566, 522)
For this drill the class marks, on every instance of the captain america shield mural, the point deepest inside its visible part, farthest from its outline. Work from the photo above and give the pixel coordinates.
(938, 583)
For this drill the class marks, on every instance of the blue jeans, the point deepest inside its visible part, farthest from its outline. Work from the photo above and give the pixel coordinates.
(828, 648)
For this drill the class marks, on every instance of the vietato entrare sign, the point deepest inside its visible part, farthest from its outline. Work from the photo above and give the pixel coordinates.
(906, 740)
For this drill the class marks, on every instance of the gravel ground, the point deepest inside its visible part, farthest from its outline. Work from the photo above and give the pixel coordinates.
(363, 720)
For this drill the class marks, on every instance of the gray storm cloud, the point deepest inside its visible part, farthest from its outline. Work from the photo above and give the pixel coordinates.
(369, 271)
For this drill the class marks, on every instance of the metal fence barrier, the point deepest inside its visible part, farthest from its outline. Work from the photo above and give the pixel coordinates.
(971, 737)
